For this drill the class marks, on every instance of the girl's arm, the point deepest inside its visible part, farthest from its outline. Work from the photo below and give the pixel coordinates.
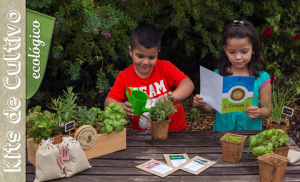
(262, 111)
(198, 101)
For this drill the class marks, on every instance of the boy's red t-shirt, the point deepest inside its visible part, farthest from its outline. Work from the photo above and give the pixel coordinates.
(165, 77)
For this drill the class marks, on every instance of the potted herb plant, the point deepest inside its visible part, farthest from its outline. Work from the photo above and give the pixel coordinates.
(112, 118)
(272, 167)
(159, 117)
(65, 108)
(270, 141)
(283, 94)
(86, 116)
(40, 126)
(232, 147)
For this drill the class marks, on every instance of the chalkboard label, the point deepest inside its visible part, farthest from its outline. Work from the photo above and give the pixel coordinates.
(287, 111)
(70, 126)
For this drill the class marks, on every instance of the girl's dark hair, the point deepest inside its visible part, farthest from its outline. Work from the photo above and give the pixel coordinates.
(146, 35)
(240, 30)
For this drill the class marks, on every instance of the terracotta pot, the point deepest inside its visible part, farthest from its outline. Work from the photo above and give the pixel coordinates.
(232, 151)
(277, 126)
(160, 129)
(272, 167)
(283, 151)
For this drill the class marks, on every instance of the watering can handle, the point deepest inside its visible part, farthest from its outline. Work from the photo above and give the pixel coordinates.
(127, 94)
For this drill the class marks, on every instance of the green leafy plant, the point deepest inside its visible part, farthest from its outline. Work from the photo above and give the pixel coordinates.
(65, 108)
(40, 124)
(232, 139)
(283, 94)
(162, 110)
(93, 94)
(87, 117)
(193, 116)
(264, 142)
(112, 118)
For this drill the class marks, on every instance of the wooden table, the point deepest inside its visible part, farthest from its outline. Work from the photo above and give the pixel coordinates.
(121, 165)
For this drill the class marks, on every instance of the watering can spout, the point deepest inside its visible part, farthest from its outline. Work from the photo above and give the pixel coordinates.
(145, 110)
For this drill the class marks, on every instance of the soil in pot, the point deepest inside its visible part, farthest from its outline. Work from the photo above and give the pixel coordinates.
(160, 129)
(283, 150)
(272, 167)
(232, 151)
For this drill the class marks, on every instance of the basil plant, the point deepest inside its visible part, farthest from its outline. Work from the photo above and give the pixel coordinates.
(264, 142)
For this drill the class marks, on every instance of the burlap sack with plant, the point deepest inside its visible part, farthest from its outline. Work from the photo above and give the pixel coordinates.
(77, 159)
(46, 165)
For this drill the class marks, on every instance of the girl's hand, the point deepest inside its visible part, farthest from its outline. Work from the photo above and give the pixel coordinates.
(198, 101)
(253, 112)
(127, 109)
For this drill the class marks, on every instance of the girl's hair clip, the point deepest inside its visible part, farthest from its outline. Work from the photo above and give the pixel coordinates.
(236, 22)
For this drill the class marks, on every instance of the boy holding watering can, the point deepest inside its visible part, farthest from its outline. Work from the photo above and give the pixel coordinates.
(156, 78)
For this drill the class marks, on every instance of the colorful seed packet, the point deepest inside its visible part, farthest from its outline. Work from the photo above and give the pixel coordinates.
(226, 94)
(196, 165)
(176, 160)
(157, 168)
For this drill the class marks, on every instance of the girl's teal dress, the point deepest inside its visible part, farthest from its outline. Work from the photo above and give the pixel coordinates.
(240, 120)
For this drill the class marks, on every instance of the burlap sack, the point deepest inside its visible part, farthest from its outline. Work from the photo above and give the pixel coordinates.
(77, 159)
(46, 165)
(293, 156)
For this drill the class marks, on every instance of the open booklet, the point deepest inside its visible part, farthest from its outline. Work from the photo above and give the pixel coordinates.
(226, 94)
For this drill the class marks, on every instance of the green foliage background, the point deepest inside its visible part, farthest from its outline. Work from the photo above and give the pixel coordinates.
(193, 27)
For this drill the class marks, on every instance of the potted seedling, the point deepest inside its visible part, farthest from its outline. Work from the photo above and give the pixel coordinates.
(232, 147)
(159, 117)
(269, 141)
(272, 167)
(283, 94)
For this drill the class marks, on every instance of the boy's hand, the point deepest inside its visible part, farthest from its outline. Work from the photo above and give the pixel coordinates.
(253, 112)
(127, 109)
(171, 95)
(198, 101)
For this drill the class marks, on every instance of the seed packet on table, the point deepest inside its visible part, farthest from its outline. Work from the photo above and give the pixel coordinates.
(196, 165)
(176, 160)
(157, 168)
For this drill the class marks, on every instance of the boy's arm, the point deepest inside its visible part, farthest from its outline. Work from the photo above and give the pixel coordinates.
(184, 89)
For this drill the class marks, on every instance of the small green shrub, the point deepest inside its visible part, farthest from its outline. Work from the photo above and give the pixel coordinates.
(162, 110)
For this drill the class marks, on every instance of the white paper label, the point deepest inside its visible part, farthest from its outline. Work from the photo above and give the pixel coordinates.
(158, 167)
(196, 165)
(177, 160)
(162, 169)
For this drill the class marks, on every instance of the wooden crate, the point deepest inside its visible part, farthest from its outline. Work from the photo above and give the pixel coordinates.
(105, 144)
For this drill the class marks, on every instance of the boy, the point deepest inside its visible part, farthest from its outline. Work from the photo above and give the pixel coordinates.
(157, 78)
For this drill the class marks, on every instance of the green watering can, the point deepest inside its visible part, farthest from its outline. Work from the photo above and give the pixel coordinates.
(138, 100)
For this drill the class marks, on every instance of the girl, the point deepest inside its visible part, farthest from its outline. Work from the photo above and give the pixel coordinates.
(241, 57)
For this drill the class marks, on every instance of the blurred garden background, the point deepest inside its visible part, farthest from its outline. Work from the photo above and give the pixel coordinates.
(91, 38)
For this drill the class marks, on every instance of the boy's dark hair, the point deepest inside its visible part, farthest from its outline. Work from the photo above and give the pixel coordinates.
(146, 35)
(238, 30)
